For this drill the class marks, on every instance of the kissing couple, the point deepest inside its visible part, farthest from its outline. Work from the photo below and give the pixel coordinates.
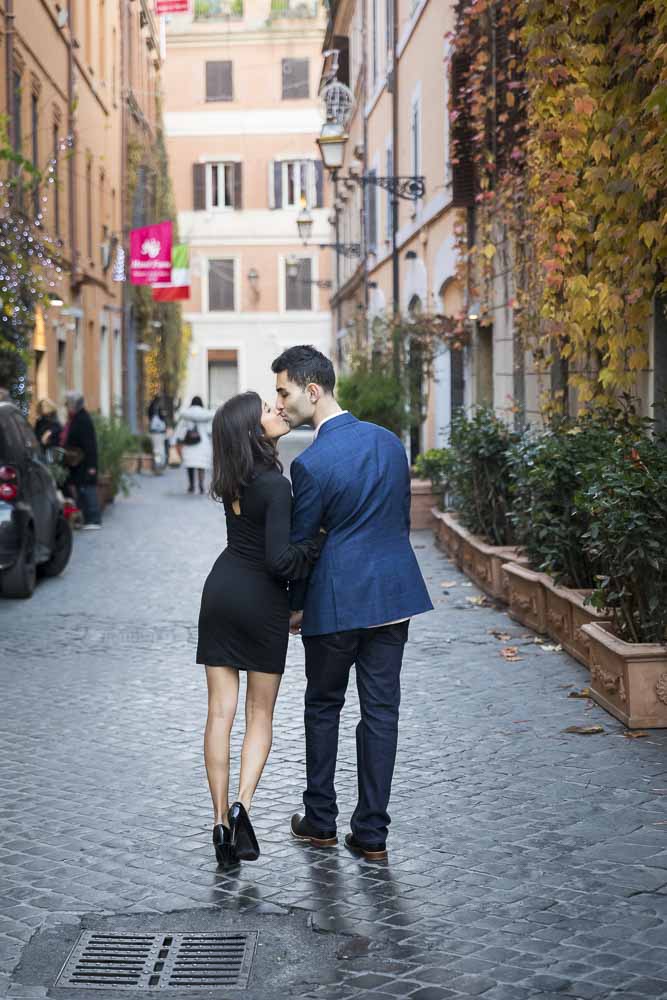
(333, 562)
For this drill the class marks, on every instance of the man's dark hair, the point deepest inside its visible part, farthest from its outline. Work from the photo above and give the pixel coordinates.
(305, 364)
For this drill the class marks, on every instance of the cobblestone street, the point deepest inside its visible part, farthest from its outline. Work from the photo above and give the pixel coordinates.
(524, 862)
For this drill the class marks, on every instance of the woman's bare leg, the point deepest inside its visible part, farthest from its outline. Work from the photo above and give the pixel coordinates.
(260, 700)
(223, 694)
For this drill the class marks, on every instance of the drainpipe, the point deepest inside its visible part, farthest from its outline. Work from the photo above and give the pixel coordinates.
(71, 131)
(130, 353)
(9, 67)
(395, 272)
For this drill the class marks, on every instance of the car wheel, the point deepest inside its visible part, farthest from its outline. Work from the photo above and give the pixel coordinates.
(62, 549)
(20, 579)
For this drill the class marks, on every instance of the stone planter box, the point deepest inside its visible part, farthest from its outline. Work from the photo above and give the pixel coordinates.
(629, 680)
(423, 497)
(565, 615)
(482, 562)
(527, 596)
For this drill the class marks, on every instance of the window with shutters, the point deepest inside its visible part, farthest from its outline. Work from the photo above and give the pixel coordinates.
(219, 82)
(295, 78)
(447, 144)
(298, 289)
(463, 168)
(298, 183)
(389, 222)
(221, 286)
(415, 137)
(220, 185)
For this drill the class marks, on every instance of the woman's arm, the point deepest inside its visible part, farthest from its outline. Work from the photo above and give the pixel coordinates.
(291, 561)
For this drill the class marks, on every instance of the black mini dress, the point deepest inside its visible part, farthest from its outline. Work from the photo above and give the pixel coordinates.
(244, 615)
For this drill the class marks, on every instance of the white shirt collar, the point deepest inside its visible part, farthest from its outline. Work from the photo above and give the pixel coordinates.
(323, 422)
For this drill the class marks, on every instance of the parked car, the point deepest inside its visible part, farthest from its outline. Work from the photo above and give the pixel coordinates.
(35, 535)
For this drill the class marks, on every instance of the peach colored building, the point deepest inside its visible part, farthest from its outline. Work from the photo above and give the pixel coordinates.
(395, 58)
(76, 69)
(241, 117)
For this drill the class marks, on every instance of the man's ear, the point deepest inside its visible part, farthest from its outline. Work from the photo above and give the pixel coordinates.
(314, 392)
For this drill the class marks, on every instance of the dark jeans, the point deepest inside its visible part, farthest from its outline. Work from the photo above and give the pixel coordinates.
(377, 654)
(87, 495)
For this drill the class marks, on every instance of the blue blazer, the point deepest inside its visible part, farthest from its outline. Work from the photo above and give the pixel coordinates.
(354, 481)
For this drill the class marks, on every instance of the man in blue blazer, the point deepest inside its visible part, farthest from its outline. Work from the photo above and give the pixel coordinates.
(355, 609)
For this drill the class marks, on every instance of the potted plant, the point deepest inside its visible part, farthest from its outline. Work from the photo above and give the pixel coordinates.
(478, 533)
(147, 457)
(627, 508)
(547, 471)
(114, 440)
(428, 485)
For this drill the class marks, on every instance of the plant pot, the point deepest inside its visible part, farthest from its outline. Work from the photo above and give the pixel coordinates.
(565, 615)
(131, 463)
(423, 497)
(527, 596)
(482, 562)
(628, 679)
(146, 463)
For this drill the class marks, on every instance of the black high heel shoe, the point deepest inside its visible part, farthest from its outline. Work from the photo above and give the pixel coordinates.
(224, 852)
(242, 836)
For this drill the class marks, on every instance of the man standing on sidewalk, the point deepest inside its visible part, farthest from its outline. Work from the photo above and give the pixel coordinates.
(80, 443)
(355, 610)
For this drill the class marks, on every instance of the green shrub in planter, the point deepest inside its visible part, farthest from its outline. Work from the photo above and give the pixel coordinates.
(548, 470)
(114, 440)
(479, 474)
(627, 534)
(434, 464)
(372, 393)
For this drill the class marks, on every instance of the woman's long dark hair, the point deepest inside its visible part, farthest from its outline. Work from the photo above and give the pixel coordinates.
(239, 446)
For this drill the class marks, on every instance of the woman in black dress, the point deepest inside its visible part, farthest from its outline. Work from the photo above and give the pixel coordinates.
(244, 616)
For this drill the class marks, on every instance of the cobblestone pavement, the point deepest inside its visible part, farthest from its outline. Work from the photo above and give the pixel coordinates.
(523, 862)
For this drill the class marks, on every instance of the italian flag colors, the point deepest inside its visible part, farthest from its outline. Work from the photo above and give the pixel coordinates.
(179, 286)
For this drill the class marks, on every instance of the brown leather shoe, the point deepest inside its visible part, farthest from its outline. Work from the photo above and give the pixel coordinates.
(302, 830)
(371, 852)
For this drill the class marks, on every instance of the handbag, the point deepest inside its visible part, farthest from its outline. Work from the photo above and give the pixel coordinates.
(73, 456)
(191, 436)
(174, 457)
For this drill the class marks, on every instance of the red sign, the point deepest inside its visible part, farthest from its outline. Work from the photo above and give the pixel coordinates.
(150, 254)
(172, 6)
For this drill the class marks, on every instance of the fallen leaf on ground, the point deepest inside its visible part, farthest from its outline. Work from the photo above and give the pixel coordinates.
(449, 583)
(480, 601)
(466, 584)
(636, 734)
(510, 653)
(584, 730)
(552, 649)
(584, 693)
(501, 636)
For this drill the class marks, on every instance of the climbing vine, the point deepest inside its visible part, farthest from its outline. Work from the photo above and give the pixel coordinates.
(567, 106)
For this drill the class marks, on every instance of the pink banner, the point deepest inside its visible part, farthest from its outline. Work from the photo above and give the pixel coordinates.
(150, 254)
(172, 6)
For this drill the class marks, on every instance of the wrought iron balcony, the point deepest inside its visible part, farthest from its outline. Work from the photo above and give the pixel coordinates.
(293, 9)
(212, 10)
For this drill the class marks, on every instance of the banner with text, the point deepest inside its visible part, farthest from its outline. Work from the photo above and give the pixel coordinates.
(150, 254)
(172, 7)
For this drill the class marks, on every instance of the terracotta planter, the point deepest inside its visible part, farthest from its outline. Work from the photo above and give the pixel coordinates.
(566, 614)
(146, 463)
(423, 496)
(482, 562)
(104, 490)
(527, 596)
(628, 679)
(131, 463)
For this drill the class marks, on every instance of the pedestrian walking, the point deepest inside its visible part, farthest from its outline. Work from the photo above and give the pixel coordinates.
(355, 609)
(47, 426)
(193, 434)
(244, 616)
(79, 441)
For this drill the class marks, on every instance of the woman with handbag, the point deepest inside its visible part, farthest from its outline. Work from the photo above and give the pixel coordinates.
(79, 441)
(193, 434)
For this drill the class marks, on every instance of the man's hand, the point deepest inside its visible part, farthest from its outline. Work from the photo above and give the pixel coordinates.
(295, 620)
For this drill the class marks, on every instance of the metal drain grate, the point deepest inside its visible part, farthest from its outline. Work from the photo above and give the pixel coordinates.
(174, 962)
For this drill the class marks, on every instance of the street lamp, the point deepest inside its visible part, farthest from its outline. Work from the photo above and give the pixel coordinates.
(304, 223)
(331, 142)
(332, 145)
